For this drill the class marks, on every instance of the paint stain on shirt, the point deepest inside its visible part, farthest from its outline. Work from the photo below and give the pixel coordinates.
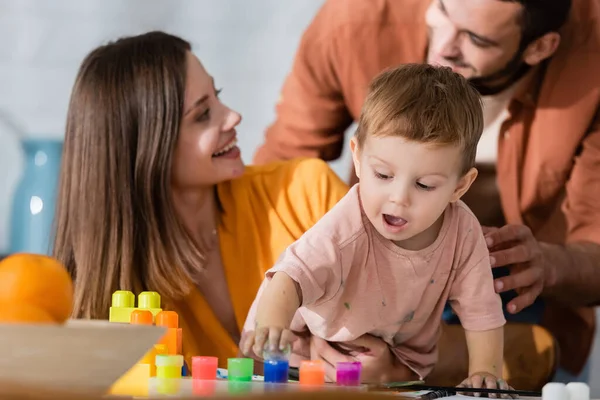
(409, 317)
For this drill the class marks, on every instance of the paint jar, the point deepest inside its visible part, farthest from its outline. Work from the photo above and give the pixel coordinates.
(168, 366)
(312, 373)
(276, 371)
(168, 373)
(348, 373)
(204, 368)
(240, 369)
(276, 365)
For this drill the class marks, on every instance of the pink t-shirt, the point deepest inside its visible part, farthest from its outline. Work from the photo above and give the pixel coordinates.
(354, 281)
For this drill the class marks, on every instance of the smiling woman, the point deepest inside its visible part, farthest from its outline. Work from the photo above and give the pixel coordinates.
(154, 195)
(207, 134)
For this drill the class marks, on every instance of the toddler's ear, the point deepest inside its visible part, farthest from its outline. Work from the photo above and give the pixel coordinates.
(355, 155)
(464, 184)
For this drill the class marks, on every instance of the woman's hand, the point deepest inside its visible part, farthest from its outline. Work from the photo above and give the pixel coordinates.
(378, 362)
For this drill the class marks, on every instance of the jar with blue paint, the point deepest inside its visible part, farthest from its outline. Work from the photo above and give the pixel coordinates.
(276, 365)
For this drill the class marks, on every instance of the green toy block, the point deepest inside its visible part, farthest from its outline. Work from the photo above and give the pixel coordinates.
(123, 304)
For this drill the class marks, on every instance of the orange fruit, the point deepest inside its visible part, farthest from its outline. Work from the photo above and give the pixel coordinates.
(24, 313)
(38, 281)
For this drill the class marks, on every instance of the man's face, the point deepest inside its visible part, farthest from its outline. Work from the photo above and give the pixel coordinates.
(476, 38)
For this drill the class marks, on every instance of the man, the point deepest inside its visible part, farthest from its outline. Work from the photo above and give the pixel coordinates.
(539, 156)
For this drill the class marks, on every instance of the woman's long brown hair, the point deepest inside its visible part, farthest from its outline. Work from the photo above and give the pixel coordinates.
(115, 224)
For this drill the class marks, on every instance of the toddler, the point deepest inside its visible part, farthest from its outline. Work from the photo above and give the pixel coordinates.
(389, 255)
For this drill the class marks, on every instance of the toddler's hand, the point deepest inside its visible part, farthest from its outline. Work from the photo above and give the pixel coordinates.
(488, 381)
(277, 338)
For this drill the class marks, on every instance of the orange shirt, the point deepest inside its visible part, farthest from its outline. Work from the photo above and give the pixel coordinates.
(265, 210)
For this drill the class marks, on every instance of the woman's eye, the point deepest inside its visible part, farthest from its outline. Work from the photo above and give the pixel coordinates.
(204, 116)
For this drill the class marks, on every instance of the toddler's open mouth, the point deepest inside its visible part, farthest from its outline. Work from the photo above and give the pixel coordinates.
(394, 221)
(393, 224)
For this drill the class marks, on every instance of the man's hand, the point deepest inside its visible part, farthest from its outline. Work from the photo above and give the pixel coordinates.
(515, 247)
(373, 353)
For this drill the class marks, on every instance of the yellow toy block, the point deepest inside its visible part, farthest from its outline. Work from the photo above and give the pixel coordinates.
(123, 304)
(135, 381)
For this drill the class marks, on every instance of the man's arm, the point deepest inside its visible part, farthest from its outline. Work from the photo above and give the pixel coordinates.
(574, 273)
(569, 273)
(575, 268)
(311, 115)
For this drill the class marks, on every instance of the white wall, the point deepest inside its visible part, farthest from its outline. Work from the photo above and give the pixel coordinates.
(247, 45)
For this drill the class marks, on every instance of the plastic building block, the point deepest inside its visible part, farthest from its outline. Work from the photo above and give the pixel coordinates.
(172, 339)
(141, 317)
(150, 357)
(160, 349)
(123, 304)
(134, 382)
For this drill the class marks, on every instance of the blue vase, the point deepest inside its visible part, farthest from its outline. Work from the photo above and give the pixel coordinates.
(34, 201)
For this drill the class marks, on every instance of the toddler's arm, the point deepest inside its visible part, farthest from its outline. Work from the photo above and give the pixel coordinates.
(486, 352)
(479, 308)
(274, 314)
(308, 271)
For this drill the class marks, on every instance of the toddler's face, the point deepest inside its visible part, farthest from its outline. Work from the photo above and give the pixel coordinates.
(405, 186)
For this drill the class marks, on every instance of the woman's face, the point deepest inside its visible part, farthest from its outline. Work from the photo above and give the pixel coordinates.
(206, 152)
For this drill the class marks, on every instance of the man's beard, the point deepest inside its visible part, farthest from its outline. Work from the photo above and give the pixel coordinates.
(500, 80)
